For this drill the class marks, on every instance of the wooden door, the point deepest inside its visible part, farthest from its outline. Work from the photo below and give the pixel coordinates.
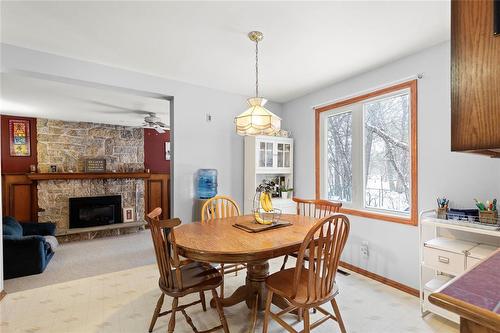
(157, 192)
(19, 197)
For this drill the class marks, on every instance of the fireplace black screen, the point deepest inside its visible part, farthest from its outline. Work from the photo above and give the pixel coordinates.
(95, 211)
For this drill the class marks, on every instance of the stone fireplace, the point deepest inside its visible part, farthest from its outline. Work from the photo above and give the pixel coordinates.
(67, 145)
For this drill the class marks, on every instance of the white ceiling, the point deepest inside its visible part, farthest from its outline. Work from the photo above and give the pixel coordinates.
(36, 97)
(307, 45)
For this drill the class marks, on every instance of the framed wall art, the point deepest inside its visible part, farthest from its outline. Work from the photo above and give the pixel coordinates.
(95, 165)
(19, 138)
(128, 215)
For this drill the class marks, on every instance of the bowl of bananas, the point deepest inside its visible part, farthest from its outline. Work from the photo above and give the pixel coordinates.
(263, 210)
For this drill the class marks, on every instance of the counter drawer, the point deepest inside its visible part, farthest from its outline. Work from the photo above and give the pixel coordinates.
(444, 261)
(471, 262)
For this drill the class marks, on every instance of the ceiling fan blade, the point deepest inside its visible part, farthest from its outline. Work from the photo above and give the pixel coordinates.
(118, 107)
(159, 130)
(112, 106)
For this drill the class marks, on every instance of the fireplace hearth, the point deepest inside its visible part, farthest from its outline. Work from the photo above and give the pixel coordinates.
(95, 211)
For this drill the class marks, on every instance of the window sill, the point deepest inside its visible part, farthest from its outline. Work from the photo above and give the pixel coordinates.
(379, 216)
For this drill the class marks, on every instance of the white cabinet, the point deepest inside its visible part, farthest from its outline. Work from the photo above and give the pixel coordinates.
(446, 255)
(267, 157)
(448, 248)
(273, 154)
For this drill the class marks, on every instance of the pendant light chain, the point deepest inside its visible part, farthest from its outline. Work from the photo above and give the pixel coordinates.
(256, 69)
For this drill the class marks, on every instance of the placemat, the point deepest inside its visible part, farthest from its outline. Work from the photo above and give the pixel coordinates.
(252, 226)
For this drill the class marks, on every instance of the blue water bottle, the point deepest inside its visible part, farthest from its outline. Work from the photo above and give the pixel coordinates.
(207, 183)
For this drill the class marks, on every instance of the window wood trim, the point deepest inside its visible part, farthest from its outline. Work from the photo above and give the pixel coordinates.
(412, 86)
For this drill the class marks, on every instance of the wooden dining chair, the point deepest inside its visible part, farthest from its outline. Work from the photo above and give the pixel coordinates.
(306, 288)
(313, 208)
(179, 278)
(220, 207)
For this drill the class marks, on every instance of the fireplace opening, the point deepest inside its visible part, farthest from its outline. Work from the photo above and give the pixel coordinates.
(95, 211)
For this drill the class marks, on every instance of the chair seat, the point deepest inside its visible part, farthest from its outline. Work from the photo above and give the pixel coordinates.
(197, 275)
(281, 283)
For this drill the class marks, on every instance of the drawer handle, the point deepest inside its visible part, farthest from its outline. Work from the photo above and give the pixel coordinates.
(443, 260)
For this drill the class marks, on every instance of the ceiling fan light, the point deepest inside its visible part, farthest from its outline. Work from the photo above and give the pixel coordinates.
(257, 120)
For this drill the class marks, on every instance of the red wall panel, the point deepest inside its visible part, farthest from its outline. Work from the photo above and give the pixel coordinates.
(11, 164)
(154, 151)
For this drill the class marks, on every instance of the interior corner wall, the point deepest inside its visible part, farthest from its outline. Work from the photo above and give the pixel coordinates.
(197, 142)
(458, 176)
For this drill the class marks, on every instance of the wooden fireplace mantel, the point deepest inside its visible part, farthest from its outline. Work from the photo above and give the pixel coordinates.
(87, 175)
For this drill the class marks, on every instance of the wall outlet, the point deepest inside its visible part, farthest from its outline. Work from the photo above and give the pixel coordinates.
(364, 249)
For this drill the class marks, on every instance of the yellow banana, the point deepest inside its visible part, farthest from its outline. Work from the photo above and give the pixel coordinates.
(266, 202)
(261, 220)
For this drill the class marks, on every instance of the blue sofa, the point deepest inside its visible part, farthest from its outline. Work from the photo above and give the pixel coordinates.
(25, 251)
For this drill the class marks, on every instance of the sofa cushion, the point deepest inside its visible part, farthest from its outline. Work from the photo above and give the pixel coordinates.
(10, 227)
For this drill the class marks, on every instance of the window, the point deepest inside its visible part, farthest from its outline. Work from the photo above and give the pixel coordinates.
(339, 156)
(366, 154)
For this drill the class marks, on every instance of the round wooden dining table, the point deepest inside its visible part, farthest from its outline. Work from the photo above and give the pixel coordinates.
(218, 241)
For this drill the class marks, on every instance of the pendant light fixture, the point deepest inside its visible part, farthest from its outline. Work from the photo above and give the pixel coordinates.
(257, 120)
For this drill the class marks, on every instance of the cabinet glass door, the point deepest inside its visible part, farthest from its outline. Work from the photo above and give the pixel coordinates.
(287, 155)
(283, 155)
(262, 154)
(280, 152)
(265, 154)
(269, 154)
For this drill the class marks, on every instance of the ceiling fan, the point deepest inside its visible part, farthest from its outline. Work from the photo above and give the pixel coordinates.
(150, 120)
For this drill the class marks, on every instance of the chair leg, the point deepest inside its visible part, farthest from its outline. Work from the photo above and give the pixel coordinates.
(222, 285)
(202, 299)
(220, 311)
(307, 324)
(171, 323)
(338, 316)
(156, 312)
(300, 314)
(284, 262)
(267, 313)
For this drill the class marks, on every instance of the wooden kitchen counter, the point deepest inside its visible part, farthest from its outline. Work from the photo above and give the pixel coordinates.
(475, 296)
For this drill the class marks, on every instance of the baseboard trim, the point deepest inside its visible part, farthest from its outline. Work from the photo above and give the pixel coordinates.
(381, 279)
(2, 294)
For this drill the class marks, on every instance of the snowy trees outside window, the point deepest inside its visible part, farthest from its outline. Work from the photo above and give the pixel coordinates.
(370, 141)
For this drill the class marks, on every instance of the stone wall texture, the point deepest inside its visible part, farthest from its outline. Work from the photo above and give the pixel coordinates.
(67, 145)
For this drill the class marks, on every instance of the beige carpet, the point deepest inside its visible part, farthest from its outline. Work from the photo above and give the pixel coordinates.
(82, 259)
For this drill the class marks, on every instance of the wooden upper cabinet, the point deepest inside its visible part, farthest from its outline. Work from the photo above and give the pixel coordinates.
(475, 78)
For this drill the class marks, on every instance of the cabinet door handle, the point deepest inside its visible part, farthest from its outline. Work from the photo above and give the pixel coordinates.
(443, 260)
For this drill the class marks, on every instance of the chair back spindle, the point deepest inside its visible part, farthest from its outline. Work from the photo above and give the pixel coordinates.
(317, 208)
(324, 244)
(165, 249)
(219, 207)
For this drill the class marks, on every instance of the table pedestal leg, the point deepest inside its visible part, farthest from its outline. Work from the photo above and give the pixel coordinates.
(255, 283)
(257, 272)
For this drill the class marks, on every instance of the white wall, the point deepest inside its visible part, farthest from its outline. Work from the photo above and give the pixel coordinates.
(197, 143)
(459, 176)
